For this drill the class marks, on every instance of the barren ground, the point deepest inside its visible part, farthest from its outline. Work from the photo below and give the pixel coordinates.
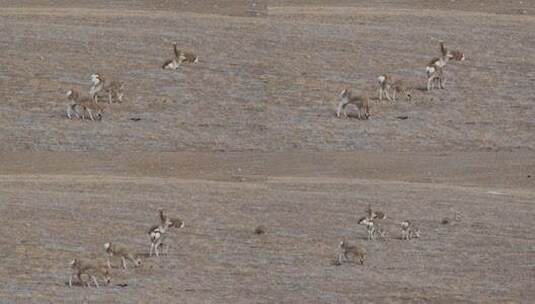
(259, 144)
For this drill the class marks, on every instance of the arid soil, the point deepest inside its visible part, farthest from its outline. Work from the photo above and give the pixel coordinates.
(59, 206)
(267, 84)
(248, 137)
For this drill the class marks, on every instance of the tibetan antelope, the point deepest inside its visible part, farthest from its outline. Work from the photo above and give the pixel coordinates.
(359, 101)
(345, 250)
(169, 222)
(409, 230)
(157, 235)
(179, 57)
(372, 228)
(435, 75)
(401, 88)
(435, 68)
(91, 269)
(384, 82)
(113, 89)
(124, 253)
(82, 105)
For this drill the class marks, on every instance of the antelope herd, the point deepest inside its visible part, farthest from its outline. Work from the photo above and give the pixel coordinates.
(112, 91)
(94, 269)
(389, 88)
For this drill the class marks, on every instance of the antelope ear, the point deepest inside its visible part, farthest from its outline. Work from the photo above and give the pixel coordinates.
(343, 92)
(73, 262)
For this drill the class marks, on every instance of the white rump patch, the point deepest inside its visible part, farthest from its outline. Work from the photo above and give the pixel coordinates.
(107, 245)
(69, 93)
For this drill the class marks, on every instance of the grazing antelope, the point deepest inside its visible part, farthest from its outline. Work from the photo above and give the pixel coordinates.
(345, 249)
(122, 252)
(401, 88)
(409, 230)
(360, 101)
(82, 105)
(114, 89)
(384, 82)
(91, 269)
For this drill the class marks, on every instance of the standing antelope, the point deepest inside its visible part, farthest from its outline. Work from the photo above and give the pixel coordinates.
(384, 82)
(113, 89)
(409, 230)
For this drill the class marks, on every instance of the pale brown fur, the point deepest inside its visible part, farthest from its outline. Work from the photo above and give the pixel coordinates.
(409, 230)
(401, 88)
(113, 89)
(121, 251)
(435, 74)
(85, 104)
(183, 56)
(345, 250)
(360, 101)
(384, 82)
(374, 214)
(91, 269)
